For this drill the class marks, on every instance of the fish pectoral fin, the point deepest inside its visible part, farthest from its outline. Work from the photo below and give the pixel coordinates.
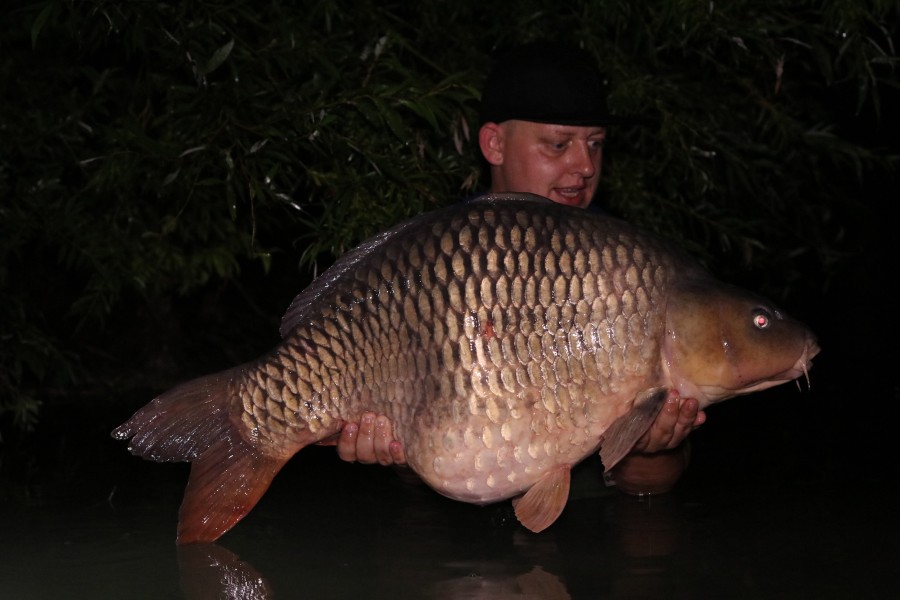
(620, 437)
(544, 502)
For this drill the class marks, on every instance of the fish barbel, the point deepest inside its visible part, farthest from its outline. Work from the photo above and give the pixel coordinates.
(507, 339)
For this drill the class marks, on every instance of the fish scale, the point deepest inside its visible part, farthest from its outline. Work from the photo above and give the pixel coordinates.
(506, 339)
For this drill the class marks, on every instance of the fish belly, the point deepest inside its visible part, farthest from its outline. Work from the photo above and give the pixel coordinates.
(501, 449)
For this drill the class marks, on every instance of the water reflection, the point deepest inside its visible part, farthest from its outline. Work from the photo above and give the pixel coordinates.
(211, 571)
(624, 539)
(331, 530)
(744, 525)
(648, 531)
(537, 583)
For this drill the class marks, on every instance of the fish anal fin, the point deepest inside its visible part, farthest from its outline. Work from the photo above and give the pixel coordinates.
(620, 437)
(544, 502)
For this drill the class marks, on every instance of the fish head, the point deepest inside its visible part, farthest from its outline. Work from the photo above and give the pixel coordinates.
(722, 341)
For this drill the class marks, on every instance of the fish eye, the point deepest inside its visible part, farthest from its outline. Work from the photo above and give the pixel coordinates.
(761, 318)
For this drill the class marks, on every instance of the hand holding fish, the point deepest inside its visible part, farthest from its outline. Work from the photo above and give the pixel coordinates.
(674, 423)
(370, 441)
(660, 456)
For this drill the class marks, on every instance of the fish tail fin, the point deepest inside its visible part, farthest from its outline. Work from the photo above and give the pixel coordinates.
(196, 422)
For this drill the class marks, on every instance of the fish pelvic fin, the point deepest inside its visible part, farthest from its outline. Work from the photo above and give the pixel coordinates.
(196, 422)
(545, 501)
(620, 437)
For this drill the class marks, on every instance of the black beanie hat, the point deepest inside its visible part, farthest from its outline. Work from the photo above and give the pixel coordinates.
(546, 82)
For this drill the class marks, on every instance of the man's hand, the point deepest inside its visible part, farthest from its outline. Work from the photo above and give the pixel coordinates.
(675, 421)
(370, 441)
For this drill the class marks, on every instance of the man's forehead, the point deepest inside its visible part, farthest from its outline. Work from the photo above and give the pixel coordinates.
(555, 129)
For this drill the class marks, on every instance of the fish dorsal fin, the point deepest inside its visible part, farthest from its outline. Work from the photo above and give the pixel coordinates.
(544, 502)
(620, 437)
(300, 306)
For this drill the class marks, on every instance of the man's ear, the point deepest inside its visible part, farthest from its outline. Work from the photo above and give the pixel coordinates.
(490, 139)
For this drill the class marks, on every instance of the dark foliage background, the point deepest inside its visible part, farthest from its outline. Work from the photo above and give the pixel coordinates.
(172, 173)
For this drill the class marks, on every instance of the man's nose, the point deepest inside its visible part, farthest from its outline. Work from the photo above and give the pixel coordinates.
(583, 160)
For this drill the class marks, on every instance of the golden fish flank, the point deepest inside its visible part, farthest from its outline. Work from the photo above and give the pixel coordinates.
(505, 339)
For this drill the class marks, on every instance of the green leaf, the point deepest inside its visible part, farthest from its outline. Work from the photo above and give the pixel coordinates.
(219, 57)
(39, 23)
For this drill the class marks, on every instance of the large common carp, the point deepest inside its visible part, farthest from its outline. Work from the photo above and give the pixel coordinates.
(507, 339)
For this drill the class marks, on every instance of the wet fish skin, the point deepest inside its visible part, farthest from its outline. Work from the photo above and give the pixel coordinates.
(469, 336)
(505, 339)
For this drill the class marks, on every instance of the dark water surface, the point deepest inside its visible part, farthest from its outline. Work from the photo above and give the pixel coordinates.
(785, 498)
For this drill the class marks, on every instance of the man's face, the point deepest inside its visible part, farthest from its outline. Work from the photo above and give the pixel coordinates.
(561, 162)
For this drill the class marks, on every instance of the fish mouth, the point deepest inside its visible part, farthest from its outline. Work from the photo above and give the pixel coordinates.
(804, 363)
(799, 370)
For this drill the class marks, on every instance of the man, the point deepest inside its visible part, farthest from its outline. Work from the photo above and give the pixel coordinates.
(543, 123)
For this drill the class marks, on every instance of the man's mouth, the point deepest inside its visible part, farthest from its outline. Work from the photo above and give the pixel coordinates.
(573, 196)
